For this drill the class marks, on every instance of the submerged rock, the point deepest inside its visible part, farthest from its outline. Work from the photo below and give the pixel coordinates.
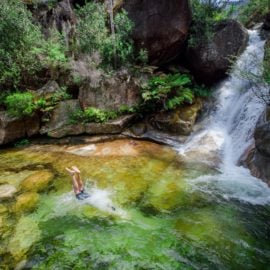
(211, 60)
(26, 202)
(37, 182)
(7, 192)
(26, 234)
(161, 27)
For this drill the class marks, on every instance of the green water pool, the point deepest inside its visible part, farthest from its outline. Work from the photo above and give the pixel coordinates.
(142, 213)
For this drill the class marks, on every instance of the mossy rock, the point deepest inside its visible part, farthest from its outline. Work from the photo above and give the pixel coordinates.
(25, 235)
(3, 209)
(37, 182)
(26, 202)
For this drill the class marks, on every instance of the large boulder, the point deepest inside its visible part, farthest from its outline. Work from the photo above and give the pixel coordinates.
(257, 159)
(111, 127)
(48, 90)
(209, 61)
(60, 116)
(14, 128)
(114, 126)
(161, 27)
(110, 93)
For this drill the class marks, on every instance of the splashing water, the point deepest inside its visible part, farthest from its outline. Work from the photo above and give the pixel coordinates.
(98, 198)
(230, 130)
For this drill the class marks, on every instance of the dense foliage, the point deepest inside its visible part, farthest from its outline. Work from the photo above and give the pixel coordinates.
(19, 37)
(23, 50)
(255, 11)
(166, 92)
(94, 35)
(20, 104)
(92, 114)
(205, 14)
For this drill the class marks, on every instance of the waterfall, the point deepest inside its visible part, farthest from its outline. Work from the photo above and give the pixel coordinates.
(229, 132)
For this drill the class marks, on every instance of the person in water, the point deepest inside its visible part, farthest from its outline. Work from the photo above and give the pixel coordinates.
(77, 183)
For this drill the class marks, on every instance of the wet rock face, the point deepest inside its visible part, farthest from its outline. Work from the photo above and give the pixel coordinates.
(262, 133)
(258, 157)
(61, 115)
(211, 60)
(266, 23)
(13, 128)
(61, 16)
(179, 121)
(161, 27)
(111, 93)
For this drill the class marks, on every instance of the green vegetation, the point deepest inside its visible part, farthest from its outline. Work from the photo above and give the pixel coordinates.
(23, 50)
(166, 92)
(255, 11)
(94, 35)
(20, 104)
(205, 15)
(161, 93)
(92, 114)
(18, 38)
(22, 143)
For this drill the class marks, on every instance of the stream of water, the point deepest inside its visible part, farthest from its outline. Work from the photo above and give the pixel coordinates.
(229, 130)
(150, 206)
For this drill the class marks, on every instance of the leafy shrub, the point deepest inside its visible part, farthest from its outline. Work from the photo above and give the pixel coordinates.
(18, 38)
(167, 91)
(93, 34)
(92, 114)
(205, 14)
(52, 54)
(20, 104)
(23, 50)
(254, 10)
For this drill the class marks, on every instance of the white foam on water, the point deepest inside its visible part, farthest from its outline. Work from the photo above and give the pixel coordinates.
(229, 131)
(98, 198)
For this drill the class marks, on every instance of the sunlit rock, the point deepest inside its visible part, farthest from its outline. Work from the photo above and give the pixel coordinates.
(14, 178)
(38, 181)
(7, 192)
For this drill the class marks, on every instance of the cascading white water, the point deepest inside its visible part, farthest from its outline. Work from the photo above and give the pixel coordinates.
(229, 132)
